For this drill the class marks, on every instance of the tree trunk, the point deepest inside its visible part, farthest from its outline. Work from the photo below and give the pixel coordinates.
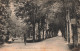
(43, 33)
(39, 36)
(46, 34)
(33, 32)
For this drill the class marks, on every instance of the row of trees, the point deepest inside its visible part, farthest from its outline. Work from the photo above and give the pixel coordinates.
(33, 12)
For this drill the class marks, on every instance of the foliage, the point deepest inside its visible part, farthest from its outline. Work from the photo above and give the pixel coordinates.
(4, 15)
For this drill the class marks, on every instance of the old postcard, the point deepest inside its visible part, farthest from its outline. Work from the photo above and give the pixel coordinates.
(39, 25)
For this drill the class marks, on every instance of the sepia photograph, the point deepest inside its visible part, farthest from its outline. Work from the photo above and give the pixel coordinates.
(39, 25)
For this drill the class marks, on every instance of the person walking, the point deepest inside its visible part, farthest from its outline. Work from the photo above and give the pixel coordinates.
(25, 39)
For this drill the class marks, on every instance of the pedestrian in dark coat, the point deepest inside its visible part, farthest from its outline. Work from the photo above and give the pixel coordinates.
(25, 39)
